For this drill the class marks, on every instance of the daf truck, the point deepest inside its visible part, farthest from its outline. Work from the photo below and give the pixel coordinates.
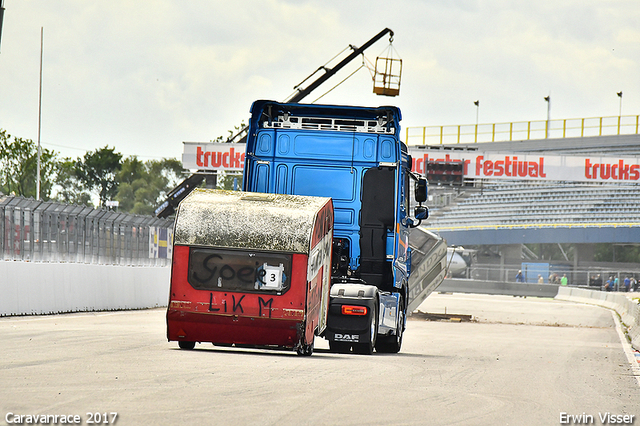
(354, 156)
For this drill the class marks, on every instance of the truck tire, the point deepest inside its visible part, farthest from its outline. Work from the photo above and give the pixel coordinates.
(367, 348)
(186, 345)
(392, 344)
(305, 350)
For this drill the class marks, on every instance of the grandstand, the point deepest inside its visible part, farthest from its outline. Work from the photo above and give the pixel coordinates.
(534, 203)
(501, 216)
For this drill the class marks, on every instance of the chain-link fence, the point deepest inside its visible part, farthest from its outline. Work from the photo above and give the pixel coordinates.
(595, 277)
(45, 231)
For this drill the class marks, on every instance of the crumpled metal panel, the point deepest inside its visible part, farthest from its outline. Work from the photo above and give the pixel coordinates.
(236, 219)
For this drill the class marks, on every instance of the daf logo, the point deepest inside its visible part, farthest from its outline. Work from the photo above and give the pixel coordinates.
(347, 337)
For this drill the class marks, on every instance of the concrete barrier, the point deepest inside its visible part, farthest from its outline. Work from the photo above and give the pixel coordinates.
(628, 309)
(28, 288)
(453, 285)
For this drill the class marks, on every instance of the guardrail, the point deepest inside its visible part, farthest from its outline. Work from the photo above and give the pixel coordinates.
(45, 231)
(551, 272)
(38, 288)
(453, 285)
(628, 309)
(523, 130)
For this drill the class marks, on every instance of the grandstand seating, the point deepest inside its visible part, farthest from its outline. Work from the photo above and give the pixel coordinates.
(522, 203)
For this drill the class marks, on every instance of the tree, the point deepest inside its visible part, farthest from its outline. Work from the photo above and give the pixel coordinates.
(226, 179)
(97, 171)
(235, 135)
(553, 251)
(173, 171)
(70, 189)
(626, 253)
(143, 186)
(18, 167)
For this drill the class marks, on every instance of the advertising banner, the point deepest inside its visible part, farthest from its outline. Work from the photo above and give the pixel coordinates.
(536, 166)
(160, 243)
(213, 156)
(477, 164)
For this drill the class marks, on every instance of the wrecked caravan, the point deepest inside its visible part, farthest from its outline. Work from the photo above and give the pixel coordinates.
(250, 269)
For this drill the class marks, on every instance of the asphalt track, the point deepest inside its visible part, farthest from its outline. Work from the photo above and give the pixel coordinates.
(521, 362)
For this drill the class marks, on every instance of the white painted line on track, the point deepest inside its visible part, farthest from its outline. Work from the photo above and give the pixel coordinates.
(628, 350)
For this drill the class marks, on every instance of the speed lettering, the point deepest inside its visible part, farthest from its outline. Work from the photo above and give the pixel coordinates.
(245, 274)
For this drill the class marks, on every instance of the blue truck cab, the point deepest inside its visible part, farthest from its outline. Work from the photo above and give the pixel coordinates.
(353, 155)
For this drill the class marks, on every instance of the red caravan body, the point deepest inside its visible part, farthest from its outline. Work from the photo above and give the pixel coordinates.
(250, 269)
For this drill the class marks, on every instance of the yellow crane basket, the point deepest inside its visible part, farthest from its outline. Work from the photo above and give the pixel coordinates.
(386, 78)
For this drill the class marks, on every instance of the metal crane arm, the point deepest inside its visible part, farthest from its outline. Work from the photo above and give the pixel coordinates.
(302, 93)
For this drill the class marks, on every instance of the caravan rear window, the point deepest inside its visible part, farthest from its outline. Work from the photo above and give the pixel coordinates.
(239, 270)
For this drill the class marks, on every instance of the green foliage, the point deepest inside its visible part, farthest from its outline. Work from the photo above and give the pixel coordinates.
(552, 251)
(234, 135)
(139, 186)
(97, 171)
(225, 180)
(605, 252)
(19, 169)
(69, 188)
(143, 186)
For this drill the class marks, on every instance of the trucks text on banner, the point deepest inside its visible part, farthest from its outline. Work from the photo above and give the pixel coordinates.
(477, 164)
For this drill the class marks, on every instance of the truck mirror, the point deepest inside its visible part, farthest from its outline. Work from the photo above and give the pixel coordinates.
(421, 213)
(421, 190)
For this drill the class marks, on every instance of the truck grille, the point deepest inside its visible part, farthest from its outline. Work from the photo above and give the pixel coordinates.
(379, 126)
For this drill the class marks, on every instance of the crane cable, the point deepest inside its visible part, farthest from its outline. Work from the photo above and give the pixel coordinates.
(297, 89)
(345, 79)
(390, 49)
(365, 63)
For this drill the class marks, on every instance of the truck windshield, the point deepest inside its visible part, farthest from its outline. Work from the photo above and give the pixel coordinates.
(239, 270)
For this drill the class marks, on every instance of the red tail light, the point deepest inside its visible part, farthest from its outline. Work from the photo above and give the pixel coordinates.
(354, 310)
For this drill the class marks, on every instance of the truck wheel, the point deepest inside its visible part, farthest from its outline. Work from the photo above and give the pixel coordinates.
(305, 350)
(367, 348)
(392, 344)
(186, 345)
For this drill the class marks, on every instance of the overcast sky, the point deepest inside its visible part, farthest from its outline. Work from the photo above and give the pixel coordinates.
(143, 76)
